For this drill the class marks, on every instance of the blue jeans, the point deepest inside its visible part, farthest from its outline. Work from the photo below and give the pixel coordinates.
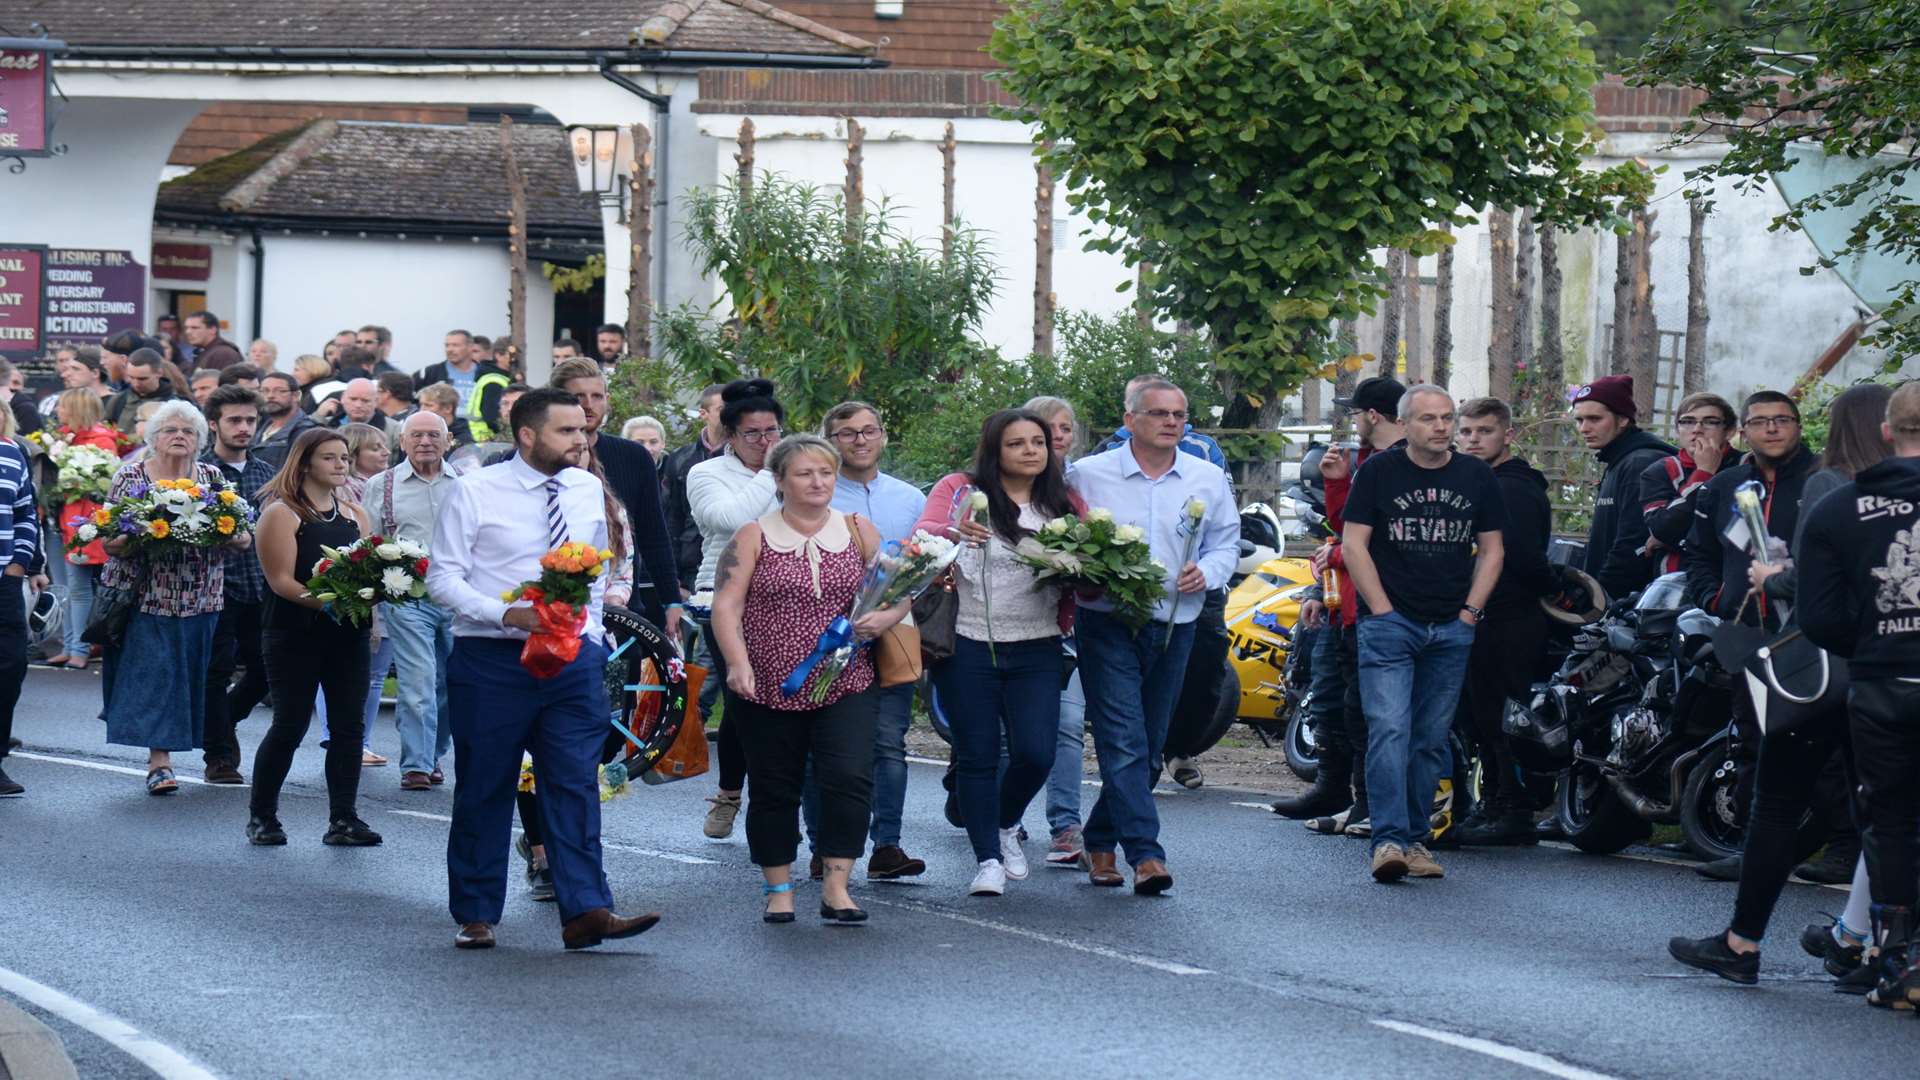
(80, 583)
(1131, 679)
(422, 637)
(1069, 759)
(890, 764)
(1410, 678)
(377, 666)
(1019, 696)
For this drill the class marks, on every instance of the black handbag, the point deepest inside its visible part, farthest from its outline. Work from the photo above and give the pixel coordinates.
(1795, 683)
(936, 612)
(113, 609)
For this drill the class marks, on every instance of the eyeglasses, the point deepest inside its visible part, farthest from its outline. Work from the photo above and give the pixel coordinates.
(1700, 422)
(765, 435)
(866, 434)
(175, 431)
(1178, 416)
(1768, 422)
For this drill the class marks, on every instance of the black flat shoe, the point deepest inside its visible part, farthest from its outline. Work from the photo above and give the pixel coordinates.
(350, 832)
(776, 916)
(265, 832)
(1712, 954)
(852, 916)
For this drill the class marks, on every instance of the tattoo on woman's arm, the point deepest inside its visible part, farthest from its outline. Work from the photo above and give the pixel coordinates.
(729, 562)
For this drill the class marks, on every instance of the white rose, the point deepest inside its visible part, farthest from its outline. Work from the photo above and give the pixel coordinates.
(1197, 509)
(978, 500)
(1129, 534)
(86, 533)
(412, 550)
(389, 552)
(366, 594)
(1057, 526)
(1099, 513)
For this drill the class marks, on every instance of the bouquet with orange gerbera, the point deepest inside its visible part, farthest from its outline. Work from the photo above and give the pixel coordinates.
(180, 513)
(559, 597)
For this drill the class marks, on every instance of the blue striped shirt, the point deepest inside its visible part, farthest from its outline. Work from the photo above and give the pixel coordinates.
(16, 505)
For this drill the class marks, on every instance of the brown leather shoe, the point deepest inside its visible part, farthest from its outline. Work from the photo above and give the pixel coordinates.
(1151, 878)
(590, 928)
(415, 781)
(474, 935)
(220, 772)
(1102, 871)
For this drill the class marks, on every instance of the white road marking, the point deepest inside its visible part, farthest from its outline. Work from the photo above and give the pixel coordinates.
(1268, 807)
(1169, 966)
(670, 856)
(102, 766)
(1524, 1058)
(918, 760)
(165, 1062)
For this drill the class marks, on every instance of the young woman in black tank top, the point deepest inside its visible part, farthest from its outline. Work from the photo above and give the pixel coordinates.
(305, 649)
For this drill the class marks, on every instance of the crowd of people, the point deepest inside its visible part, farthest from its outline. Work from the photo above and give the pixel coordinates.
(760, 537)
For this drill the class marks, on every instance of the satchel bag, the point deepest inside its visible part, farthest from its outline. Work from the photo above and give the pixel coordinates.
(936, 613)
(113, 608)
(1795, 684)
(896, 652)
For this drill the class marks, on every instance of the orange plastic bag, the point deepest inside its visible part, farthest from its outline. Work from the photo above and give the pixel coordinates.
(557, 643)
(688, 754)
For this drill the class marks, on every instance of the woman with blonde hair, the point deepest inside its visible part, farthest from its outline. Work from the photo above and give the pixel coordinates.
(82, 422)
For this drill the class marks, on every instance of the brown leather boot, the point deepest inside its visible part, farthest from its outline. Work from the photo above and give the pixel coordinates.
(1102, 871)
(1151, 878)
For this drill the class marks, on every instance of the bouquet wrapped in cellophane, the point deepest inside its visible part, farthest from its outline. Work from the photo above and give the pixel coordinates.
(897, 573)
(560, 597)
(1093, 554)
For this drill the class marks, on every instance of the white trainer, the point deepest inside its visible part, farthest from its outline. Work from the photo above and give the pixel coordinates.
(1012, 857)
(990, 881)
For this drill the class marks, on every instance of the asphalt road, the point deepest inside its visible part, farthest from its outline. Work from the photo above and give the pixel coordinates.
(1274, 955)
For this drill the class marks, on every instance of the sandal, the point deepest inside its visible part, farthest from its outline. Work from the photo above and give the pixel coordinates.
(161, 782)
(76, 663)
(368, 758)
(774, 890)
(53, 661)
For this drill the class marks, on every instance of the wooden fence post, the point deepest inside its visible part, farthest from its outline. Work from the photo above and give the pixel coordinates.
(1442, 363)
(1043, 260)
(640, 238)
(1694, 377)
(516, 247)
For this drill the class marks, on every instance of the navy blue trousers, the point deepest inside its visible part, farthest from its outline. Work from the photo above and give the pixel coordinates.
(498, 711)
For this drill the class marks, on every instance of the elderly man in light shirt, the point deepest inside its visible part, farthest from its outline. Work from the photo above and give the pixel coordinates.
(893, 505)
(490, 536)
(405, 504)
(1132, 677)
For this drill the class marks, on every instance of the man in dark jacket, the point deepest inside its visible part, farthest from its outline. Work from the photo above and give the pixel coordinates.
(1706, 423)
(210, 350)
(1511, 642)
(1718, 549)
(1859, 594)
(146, 381)
(709, 443)
(1603, 411)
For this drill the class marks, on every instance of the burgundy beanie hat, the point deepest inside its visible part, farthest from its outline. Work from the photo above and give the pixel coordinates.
(1613, 391)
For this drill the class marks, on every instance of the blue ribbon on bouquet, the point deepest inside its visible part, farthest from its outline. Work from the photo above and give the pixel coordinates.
(838, 635)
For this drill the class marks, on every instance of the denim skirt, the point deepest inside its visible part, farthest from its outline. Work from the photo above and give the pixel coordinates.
(156, 682)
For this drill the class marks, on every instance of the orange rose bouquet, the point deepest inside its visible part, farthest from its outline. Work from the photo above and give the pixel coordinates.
(559, 597)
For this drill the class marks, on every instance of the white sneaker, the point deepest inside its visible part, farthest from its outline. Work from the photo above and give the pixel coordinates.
(990, 881)
(1011, 856)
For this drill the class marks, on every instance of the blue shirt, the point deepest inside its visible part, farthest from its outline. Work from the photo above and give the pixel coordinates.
(1114, 481)
(892, 504)
(17, 517)
(1191, 442)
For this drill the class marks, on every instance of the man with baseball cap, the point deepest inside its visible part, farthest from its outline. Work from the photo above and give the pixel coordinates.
(1604, 413)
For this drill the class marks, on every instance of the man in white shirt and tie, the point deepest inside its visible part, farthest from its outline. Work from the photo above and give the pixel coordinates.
(489, 538)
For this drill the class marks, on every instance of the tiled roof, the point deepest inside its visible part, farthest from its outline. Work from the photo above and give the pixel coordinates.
(388, 174)
(746, 26)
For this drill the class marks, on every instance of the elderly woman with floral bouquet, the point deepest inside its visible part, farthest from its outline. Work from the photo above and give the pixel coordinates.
(1007, 667)
(156, 676)
(81, 424)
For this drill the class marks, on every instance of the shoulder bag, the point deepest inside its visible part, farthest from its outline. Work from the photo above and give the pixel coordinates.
(936, 613)
(1795, 684)
(113, 608)
(896, 653)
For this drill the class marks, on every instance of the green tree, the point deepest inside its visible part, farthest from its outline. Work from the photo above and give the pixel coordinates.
(1255, 152)
(1621, 28)
(1851, 87)
(827, 313)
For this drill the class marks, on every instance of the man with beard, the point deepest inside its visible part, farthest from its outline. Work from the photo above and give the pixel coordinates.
(1604, 412)
(1511, 642)
(233, 415)
(610, 342)
(281, 419)
(1718, 549)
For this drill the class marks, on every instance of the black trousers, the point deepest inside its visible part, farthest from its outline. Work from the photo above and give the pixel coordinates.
(1788, 775)
(13, 653)
(1356, 716)
(837, 740)
(733, 758)
(1885, 716)
(1506, 652)
(1193, 710)
(334, 661)
(236, 643)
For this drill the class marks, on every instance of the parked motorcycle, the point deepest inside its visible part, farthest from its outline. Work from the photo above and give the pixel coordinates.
(1636, 721)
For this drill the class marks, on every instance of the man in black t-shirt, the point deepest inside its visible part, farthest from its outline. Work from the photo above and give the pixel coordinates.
(1423, 546)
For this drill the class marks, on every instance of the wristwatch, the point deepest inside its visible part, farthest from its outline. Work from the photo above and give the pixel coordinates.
(1479, 614)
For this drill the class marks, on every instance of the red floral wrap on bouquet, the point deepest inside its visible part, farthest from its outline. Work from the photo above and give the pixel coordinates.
(557, 643)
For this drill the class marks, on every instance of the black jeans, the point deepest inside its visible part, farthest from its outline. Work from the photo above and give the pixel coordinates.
(236, 642)
(1506, 653)
(13, 653)
(1788, 773)
(837, 740)
(1885, 717)
(1355, 715)
(333, 660)
(733, 758)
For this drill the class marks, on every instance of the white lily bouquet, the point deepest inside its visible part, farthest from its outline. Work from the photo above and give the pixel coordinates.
(1095, 554)
(897, 573)
(350, 580)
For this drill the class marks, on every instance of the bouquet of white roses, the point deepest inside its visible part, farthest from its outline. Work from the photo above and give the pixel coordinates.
(350, 580)
(896, 574)
(85, 473)
(1095, 554)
